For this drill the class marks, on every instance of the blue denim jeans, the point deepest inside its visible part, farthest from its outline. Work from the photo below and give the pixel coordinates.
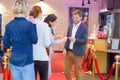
(23, 73)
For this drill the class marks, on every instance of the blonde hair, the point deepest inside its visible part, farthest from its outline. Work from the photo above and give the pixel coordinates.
(21, 7)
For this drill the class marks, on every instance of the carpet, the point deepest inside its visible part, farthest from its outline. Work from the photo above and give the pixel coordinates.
(57, 64)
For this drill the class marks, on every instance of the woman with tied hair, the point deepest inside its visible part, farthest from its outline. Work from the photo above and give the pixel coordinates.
(20, 34)
(51, 21)
(39, 50)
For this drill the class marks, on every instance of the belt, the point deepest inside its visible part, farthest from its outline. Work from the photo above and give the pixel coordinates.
(70, 50)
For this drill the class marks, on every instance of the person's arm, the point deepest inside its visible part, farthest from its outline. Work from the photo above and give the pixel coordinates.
(47, 40)
(47, 36)
(56, 42)
(65, 46)
(68, 32)
(6, 39)
(33, 33)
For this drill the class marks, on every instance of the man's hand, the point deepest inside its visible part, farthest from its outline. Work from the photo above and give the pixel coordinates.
(64, 39)
(64, 52)
(58, 36)
(72, 39)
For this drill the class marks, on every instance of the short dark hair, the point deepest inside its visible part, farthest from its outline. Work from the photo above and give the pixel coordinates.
(35, 11)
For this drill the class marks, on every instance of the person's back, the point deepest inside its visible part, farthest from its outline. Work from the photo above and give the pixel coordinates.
(43, 41)
(21, 40)
(20, 35)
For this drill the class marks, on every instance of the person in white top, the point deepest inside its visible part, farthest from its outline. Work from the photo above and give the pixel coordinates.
(40, 55)
(51, 20)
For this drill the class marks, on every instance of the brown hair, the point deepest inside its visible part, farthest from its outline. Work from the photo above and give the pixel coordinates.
(77, 11)
(50, 18)
(36, 10)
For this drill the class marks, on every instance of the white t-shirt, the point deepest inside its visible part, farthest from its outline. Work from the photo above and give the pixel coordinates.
(39, 49)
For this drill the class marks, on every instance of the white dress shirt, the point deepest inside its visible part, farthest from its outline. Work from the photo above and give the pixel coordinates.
(39, 49)
(74, 30)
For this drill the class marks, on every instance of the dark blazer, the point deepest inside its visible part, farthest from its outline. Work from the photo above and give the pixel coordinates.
(81, 39)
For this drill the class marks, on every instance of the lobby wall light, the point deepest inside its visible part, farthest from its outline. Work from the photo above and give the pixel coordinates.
(88, 1)
(82, 2)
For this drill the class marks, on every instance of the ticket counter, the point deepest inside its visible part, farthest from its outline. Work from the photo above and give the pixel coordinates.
(100, 45)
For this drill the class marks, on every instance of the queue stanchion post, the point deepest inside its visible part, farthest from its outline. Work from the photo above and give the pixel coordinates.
(117, 58)
(93, 67)
(6, 72)
(93, 70)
